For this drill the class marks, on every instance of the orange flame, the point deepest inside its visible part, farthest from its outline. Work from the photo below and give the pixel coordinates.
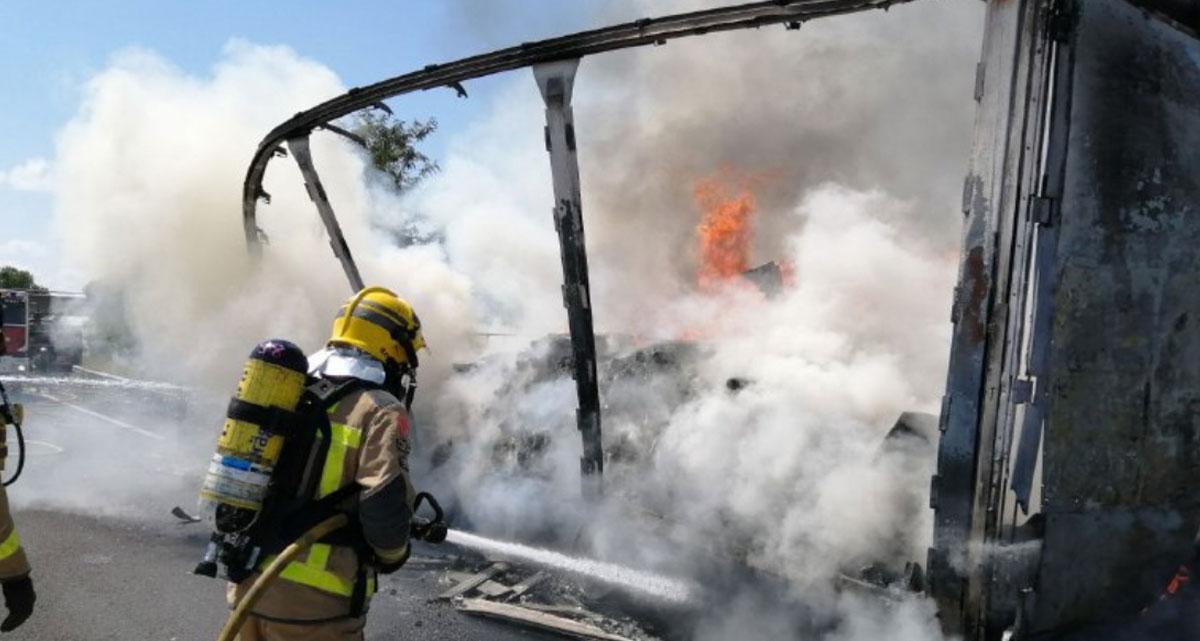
(726, 232)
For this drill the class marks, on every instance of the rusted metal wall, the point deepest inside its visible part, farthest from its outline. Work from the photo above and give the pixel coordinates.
(1009, 88)
(1073, 394)
(1121, 460)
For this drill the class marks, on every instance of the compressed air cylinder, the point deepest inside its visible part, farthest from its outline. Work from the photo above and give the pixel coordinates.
(253, 435)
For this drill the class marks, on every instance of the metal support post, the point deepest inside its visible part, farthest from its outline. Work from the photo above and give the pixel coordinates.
(555, 81)
(312, 182)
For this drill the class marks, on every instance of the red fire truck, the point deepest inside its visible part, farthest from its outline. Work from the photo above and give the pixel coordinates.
(14, 305)
(39, 330)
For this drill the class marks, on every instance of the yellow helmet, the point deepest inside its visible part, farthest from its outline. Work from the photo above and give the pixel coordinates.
(381, 324)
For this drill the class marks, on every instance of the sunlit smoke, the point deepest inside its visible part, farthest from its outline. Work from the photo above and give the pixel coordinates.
(149, 204)
(761, 447)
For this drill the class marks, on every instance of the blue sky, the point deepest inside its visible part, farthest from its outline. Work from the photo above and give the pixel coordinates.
(49, 50)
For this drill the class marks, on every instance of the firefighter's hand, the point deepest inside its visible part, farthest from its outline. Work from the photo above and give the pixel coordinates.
(18, 598)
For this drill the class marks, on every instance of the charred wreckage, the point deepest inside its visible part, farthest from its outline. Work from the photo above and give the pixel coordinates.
(1066, 450)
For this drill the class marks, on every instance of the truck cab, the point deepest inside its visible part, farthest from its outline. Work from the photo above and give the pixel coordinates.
(14, 316)
(42, 330)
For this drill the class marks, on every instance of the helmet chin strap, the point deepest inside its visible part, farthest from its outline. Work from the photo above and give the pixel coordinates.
(401, 381)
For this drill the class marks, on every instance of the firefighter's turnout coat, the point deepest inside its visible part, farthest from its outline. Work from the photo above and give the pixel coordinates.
(13, 563)
(369, 446)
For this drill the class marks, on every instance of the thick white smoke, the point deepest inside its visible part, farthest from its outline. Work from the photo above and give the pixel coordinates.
(149, 204)
(149, 201)
(860, 127)
(784, 472)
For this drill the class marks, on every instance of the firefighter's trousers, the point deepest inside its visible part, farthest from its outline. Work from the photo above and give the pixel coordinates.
(258, 629)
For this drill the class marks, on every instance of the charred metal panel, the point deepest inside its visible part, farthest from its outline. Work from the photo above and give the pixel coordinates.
(1184, 12)
(1121, 467)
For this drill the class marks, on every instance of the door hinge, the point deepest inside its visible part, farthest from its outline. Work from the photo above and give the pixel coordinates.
(1042, 210)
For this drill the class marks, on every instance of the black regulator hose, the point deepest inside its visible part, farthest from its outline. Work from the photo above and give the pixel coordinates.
(6, 414)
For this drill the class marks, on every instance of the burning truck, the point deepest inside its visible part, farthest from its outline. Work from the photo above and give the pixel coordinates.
(639, 383)
(1065, 460)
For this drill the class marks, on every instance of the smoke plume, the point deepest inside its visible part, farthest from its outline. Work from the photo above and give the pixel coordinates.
(859, 128)
(149, 202)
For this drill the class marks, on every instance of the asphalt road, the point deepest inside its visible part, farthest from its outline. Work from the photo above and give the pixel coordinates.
(110, 562)
(106, 578)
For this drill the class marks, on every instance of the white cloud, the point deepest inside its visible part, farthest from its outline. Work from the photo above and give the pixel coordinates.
(19, 248)
(25, 254)
(31, 175)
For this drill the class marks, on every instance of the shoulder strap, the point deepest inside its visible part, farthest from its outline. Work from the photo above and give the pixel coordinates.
(292, 509)
(322, 394)
(328, 391)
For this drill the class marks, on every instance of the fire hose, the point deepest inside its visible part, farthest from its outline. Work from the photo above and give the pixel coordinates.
(302, 543)
(431, 530)
(10, 413)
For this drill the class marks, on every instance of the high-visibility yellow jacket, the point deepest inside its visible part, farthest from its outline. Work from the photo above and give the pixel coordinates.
(13, 563)
(369, 446)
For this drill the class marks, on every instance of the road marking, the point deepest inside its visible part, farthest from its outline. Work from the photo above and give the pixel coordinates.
(109, 419)
(55, 449)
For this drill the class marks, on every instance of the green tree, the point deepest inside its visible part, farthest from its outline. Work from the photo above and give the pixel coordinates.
(13, 278)
(392, 144)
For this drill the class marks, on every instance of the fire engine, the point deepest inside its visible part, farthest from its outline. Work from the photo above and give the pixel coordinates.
(40, 331)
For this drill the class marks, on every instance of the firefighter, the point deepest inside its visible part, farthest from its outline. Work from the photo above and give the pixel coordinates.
(14, 571)
(14, 567)
(324, 594)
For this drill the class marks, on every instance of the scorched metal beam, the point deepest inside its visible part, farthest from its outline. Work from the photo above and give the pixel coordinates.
(555, 81)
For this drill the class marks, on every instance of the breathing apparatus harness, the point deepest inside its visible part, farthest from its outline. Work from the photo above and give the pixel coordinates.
(290, 511)
(289, 508)
(10, 414)
(277, 435)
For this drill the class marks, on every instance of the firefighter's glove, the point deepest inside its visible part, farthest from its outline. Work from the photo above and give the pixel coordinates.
(18, 598)
(386, 566)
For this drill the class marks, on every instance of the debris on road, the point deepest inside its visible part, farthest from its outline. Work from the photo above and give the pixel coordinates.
(473, 581)
(536, 619)
(537, 599)
(526, 585)
(178, 513)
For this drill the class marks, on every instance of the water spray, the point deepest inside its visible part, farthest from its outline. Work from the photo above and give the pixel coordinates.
(664, 588)
(118, 383)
